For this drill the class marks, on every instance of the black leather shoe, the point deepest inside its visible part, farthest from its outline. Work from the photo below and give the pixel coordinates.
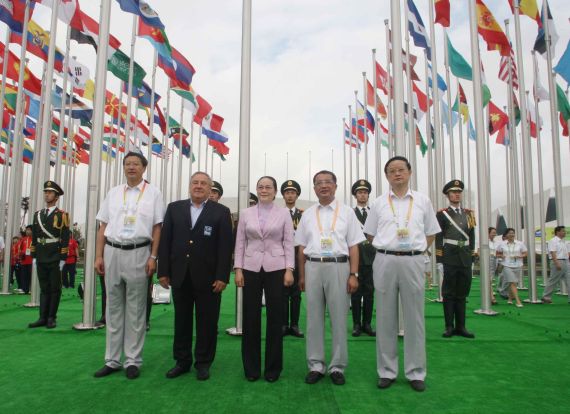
(177, 371)
(464, 333)
(296, 332)
(418, 385)
(51, 323)
(313, 377)
(448, 333)
(271, 378)
(252, 378)
(367, 329)
(337, 378)
(203, 374)
(356, 330)
(106, 370)
(384, 383)
(285, 330)
(38, 323)
(133, 372)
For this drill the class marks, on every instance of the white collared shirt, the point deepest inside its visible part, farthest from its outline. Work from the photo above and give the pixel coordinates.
(196, 211)
(383, 224)
(121, 201)
(557, 245)
(347, 232)
(510, 252)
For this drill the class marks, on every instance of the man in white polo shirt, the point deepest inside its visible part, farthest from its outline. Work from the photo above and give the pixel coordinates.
(559, 268)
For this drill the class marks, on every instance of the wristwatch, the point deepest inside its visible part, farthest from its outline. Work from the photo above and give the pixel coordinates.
(353, 274)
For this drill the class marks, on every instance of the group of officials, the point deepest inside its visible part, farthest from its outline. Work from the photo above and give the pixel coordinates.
(339, 256)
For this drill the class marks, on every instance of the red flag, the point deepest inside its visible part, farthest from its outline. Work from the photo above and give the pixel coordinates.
(490, 30)
(31, 83)
(381, 78)
(370, 100)
(220, 147)
(204, 108)
(504, 69)
(501, 136)
(497, 118)
(421, 98)
(564, 125)
(442, 12)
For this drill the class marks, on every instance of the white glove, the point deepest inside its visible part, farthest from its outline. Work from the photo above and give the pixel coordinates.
(34, 262)
(61, 264)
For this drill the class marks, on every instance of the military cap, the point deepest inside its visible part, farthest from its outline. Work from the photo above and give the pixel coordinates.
(291, 185)
(253, 198)
(453, 185)
(361, 185)
(52, 186)
(216, 186)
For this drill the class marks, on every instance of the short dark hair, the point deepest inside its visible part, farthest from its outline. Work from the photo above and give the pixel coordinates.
(270, 178)
(559, 228)
(509, 229)
(135, 154)
(490, 229)
(397, 158)
(29, 226)
(324, 172)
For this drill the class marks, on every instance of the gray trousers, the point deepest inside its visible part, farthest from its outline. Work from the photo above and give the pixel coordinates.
(556, 276)
(401, 276)
(127, 288)
(325, 287)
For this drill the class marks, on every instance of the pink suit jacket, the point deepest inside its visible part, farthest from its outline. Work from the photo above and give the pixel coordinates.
(272, 248)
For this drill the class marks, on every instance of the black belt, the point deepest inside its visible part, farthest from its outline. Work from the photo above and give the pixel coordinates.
(128, 246)
(339, 259)
(397, 253)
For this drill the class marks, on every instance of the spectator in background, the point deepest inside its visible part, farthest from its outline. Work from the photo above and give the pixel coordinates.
(26, 260)
(512, 253)
(69, 269)
(15, 263)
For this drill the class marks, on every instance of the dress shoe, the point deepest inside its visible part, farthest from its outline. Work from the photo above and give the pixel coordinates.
(384, 383)
(51, 323)
(285, 330)
(177, 371)
(271, 378)
(337, 378)
(464, 333)
(38, 323)
(367, 329)
(133, 372)
(106, 370)
(418, 385)
(356, 330)
(296, 332)
(313, 377)
(448, 333)
(252, 378)
(203, 374)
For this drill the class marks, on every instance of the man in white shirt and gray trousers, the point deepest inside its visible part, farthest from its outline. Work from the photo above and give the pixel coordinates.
(401, 225)
(328, 237)
(559, 268)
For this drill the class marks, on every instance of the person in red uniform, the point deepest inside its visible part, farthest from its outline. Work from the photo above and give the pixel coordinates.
(26, 260)
(69, 268)
(15, 262)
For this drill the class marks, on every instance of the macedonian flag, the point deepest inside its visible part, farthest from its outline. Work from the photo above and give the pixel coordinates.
(490, 30)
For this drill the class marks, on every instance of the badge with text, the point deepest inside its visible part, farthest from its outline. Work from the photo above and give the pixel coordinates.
(207, 230)
(404, 238)
(326, 246)
(129, 225)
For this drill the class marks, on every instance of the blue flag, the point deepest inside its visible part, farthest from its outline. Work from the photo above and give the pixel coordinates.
(417, 28)
(142, 9)
(563, 66)
(441, 85)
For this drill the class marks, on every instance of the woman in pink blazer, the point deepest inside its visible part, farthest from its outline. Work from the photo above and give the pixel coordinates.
(264, 261)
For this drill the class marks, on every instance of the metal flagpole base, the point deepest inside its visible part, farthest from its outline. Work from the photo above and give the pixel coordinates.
(5, 293)
(522, 288)
(539, 302)
(31, 305)
(489, 312)
(561, 294)
(234, 331)
(87, 326)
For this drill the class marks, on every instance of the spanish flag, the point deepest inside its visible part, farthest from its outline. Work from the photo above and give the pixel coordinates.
(490, 30)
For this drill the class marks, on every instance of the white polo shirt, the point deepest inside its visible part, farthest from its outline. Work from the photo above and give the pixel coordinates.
(557, 245)
(413, 212)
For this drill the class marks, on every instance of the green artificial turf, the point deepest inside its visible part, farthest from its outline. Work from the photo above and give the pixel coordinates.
(518, 363)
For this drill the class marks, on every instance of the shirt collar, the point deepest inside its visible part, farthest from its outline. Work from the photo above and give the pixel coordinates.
(202, 204)
(408, 193)
(329, 206)
(139, 186)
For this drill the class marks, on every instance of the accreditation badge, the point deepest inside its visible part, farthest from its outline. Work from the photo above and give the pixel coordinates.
(404, 239)
(129, 226)
(326, 246)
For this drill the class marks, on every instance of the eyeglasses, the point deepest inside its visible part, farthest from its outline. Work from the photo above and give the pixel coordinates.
(323, 183)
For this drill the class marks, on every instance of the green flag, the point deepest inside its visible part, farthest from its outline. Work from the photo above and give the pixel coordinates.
(119, 63)
(187, 94)
(563, 105)
(422, 143)
(486, 95)
(458, 65)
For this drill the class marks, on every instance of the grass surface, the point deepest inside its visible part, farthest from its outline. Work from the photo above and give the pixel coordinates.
(518, 363)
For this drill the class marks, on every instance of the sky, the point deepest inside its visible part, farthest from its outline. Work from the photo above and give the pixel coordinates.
(307, 61)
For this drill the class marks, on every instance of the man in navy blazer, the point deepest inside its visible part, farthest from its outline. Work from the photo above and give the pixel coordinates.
(195, 260)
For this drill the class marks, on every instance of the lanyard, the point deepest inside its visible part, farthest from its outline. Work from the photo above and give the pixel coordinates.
(512, 250)
(333, 224)
(141, 192)
(396, 218)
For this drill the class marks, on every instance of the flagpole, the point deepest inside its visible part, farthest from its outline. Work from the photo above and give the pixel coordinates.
(439, 160)
(389, 88)
(449, 114)
(365, 104)
(461, 154)
(16, 168)
(212, 162)
(57, 174)
(431, 189)
(377, 143)
(191, 143)
(171, 179)
(395, 17)
(93, 189)
(163, 176)
(482, 182)
(244, 140)
(343, 160)
(527, 162)
(365, 135)
(130, 83)
(350, 138)
(180, 157)
(120, 141)
(200, 148)
(206, 154)
(411, 121)
(5, 169)
(151, 126)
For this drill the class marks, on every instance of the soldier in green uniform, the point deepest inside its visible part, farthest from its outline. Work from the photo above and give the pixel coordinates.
(50, 240)
(216, 192)
(455, 245)
(363, 299)
(291, 190)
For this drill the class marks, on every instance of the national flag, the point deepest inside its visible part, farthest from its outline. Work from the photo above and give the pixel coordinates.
(350, 139)
(540, 42)
(563, 65)
(441, 85)
(486, 92)
(442, 12)
(38, 44)
(213, 122)
(420, 142)
(68, 11)
(12, 13)
(381, 109)
(186, 93)
(516, 110)
(177, 68)
(471, 131)
(417, 29)
(175, 129)
(540, 91)
(502, 136)
(156, 36)
(457, 63)
(119, 63)
(79, 74)
(89, 34)
(31, 83)
(563, 108)
(143, 10)
(88, 92)
(365, 117)
(203, 109)
(421, 98)
(112, 104)
(460, 105)
(159, 118)
(445, 116)
(359, 131)
(533, 119)
(220, 148)
(497, 118)
(381, 79)
(30, 128)
(490, 30)
(528, 8)
(504, 69)
(142, 94)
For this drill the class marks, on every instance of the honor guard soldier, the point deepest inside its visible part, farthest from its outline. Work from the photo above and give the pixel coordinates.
(291, 190)
(363, 299)
(454, 249)
(50, 241)
(217, 191)
(252, 199)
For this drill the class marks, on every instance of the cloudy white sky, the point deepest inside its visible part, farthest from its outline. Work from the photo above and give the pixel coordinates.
(307, 60)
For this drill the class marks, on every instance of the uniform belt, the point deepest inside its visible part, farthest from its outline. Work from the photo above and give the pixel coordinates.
(47, 241)
(459, 243)
(398, 253)
(338, 259)
(127, 246)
